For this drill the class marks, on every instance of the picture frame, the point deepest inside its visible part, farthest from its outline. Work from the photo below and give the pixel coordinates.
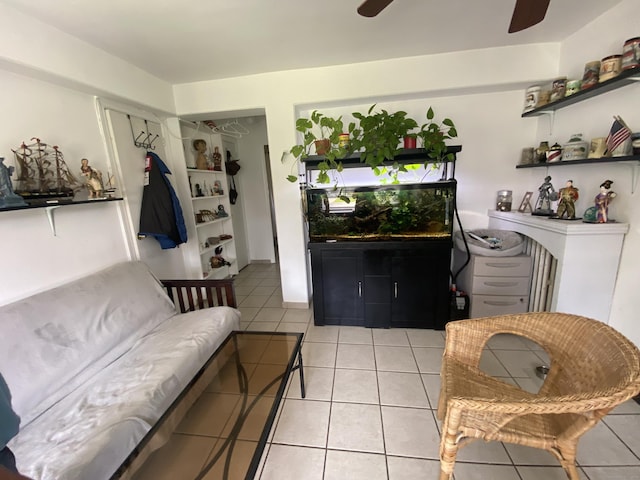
(525, 204)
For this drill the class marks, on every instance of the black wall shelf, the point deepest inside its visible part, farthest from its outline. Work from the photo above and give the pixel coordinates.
(628, 158)
(626, 77)
(407, 156)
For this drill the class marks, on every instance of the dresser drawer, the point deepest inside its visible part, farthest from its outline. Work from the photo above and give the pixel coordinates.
(490, 305)
(519, 266)
(500, 285)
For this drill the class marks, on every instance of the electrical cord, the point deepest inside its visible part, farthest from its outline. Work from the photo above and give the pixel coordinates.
(454, 276)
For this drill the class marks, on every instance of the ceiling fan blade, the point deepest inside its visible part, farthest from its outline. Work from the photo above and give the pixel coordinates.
(371, 8)
(527, 13)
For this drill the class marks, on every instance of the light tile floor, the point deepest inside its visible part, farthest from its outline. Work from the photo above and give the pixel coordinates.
(371, 402)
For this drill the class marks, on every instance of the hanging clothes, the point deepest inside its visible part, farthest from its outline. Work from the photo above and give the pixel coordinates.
(160, 214)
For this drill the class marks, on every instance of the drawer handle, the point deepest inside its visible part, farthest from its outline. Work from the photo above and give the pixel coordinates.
(499, 304)
(395, 289)
(501, 284)
(360, 289)
(503, 265)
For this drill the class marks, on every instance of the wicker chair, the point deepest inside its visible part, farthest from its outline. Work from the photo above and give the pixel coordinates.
(593, 368)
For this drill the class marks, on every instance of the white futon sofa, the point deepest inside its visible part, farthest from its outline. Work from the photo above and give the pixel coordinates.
(92, 365)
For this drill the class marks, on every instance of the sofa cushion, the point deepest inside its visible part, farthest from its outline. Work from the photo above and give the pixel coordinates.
(58, 339)
(90, 433)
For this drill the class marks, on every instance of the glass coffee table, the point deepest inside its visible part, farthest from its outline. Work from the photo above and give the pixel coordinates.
(218, 426)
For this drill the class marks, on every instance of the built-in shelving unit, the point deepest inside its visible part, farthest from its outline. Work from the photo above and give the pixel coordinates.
(626, 77)
(628, 158)
(210, 201)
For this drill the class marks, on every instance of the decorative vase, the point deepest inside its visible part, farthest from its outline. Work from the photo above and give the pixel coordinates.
(409, 141)
(322, 146)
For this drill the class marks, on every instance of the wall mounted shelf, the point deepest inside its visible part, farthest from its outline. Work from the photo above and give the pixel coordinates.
(632, 161)
(626, 77)
(51, 205)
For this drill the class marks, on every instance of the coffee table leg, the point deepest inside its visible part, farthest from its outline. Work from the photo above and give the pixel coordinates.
(302, 391)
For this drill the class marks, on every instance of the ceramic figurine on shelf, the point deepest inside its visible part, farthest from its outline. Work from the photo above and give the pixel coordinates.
(222, 212)
(7, 196)
(568, 196)
(602, 201)
(217, 160)
(200, 147)
(94, 179)
(546, 195)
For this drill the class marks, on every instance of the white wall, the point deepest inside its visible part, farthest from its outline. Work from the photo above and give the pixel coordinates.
(437, 77)
(252, 186)
(89, 237)
(601, 38)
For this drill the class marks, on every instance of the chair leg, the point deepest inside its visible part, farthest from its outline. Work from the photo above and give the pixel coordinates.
(448, 452)
(568, 462)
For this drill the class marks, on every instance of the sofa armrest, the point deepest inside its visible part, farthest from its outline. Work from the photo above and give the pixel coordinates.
(190, 295)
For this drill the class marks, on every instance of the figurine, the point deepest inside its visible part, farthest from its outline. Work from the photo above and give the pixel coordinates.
(567, 195)
(221, 211)
(7, 196)
(217, 188)
(199, 191)
(217, 160)
(602, 201)
(94, 179)
(545, 197)
(201, 158)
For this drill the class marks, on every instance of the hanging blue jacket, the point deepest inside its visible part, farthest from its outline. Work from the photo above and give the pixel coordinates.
(160, 214)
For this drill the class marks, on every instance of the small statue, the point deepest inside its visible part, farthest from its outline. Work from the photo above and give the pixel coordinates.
(200, 147)
(217, 188)
(567, 195)
(94, 179)
(221, 212)
(217, 160)
(546, 195)
(602, 201)
(7, 196)
(199, 191)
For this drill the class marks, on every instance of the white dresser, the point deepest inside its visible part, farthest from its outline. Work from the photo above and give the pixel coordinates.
(495, 285)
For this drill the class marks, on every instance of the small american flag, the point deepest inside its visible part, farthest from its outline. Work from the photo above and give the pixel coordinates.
(619, 133)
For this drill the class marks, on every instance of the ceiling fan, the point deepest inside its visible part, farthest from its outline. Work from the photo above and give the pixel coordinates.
(526, 13)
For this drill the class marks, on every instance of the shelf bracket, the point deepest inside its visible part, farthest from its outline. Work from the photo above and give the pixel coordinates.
(552, 115)
(50, 217)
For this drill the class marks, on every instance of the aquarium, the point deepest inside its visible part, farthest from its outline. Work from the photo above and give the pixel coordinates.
(378, 213)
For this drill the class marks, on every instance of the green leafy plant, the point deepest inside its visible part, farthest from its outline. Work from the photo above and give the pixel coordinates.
(317, 128)
(434, 134)
(379, 135)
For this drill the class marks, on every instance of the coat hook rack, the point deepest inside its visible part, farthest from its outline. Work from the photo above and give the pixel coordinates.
(147, 142)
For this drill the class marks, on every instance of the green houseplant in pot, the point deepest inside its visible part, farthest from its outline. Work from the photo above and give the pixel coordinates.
(378, 138)
(323, 132)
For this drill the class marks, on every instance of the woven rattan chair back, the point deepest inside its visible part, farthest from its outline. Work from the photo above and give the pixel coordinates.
(593, 368)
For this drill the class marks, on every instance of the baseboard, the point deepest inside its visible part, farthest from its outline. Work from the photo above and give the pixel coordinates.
(252, 262)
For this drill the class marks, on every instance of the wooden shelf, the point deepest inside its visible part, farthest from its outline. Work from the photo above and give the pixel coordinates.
(198, 170)
(628, 158)
(213, 247)
(208, 197)
(217, 220)
(626, 77)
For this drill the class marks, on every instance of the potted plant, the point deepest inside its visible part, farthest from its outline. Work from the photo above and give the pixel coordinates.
(434, 134)
(379, 135)
(324, 133)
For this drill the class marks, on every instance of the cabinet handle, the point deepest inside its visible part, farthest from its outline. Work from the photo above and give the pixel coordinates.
(395, 289)
(501, 284)
(360, 289)
(503, 265)
(500, 304)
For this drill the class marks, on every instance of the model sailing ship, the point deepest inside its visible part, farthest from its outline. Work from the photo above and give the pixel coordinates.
(43, 174)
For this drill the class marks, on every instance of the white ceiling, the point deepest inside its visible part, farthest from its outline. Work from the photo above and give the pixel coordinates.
(209, 39)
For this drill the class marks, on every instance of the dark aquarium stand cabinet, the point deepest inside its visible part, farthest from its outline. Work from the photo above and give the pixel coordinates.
(383, 258)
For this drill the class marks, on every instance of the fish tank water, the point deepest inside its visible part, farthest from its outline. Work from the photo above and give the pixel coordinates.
(416, 211)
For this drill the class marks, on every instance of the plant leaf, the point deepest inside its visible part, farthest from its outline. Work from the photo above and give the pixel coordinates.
(292, 178)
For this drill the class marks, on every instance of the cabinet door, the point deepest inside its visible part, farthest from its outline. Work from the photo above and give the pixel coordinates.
(420, 283)
(339, 298)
